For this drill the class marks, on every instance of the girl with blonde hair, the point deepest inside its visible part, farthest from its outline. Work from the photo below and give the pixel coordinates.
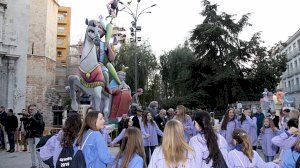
(174, 151)
(186, 121)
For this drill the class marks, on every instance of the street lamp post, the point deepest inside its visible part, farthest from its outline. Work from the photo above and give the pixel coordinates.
(134, 29)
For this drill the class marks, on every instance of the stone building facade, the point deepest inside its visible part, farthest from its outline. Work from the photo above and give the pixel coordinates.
(290, 82)
(14, 21)
(42, 57)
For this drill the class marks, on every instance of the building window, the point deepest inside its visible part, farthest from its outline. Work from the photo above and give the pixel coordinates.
(297, 81)
(61, 16)
(296, 63)
(60, 29)
(60, 41)
(59, 53)
(294, 45)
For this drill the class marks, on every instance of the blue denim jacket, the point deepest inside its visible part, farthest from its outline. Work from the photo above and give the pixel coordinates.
(95, 150)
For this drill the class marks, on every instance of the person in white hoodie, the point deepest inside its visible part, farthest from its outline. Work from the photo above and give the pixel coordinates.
(174, 152)
(243, 156)
(210, 148)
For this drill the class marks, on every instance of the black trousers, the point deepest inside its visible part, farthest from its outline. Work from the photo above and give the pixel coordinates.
(11, 139)
(2, 138)
(149, 150)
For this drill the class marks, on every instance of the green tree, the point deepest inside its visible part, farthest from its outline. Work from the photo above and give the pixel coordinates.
(147, 64)
(176, 72)
(224, 70)
(267, 69)
(155, 91)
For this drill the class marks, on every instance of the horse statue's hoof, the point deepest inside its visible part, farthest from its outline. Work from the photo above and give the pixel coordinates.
(74, 106)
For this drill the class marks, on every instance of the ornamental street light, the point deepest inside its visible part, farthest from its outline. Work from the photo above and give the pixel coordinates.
(134, 29)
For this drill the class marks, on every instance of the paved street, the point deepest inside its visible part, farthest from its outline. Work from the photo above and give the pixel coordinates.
(22, 159)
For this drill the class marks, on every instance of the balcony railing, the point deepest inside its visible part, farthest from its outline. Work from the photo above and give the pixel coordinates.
(293, 54)
(291, 72)
(293, 88)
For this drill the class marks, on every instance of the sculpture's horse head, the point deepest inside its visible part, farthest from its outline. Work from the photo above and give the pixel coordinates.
(92, 33)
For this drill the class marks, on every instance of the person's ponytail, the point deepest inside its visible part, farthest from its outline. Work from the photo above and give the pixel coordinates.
(204, 121)
(241, 137)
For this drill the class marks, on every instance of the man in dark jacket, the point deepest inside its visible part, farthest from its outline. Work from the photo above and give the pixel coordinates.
(10, 128)
(3, 118)
(153, 108)
(161, 121)
(34, 128)
(260, 120)
(137, 119)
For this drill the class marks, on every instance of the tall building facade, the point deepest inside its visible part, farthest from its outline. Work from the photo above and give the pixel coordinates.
(290, 82)
(63, 34)
(62, 50)
(14, 21)
(42, 56)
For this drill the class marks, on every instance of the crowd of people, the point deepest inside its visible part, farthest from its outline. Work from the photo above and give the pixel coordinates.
(30, 130)
(162, 138)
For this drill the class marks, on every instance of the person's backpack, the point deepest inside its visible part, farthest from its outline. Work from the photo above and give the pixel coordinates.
(43, 141)
(78, 160)
(65, 158)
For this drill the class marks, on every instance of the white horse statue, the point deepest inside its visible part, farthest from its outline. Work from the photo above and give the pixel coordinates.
(90, 78)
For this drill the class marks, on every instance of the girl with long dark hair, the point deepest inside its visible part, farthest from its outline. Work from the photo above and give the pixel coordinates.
(95, 150)
(243, 155)
(229, 123)
(132, 153)
(64, 138)
(210, 147)
(127, 123)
